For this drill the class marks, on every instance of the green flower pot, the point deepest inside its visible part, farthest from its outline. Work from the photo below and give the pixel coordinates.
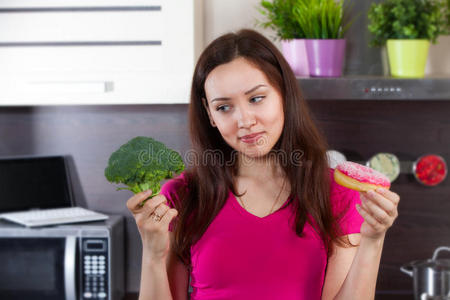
(408, 58)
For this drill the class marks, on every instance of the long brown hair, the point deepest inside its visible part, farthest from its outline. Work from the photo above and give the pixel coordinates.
(207, 181)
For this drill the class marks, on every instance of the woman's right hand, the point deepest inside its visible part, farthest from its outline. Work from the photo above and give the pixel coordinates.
(154, 234)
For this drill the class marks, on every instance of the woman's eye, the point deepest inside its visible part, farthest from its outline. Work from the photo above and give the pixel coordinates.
(220, 108)
(258, 97)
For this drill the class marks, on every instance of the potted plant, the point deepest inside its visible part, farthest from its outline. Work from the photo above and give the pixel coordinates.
(279, 16)
(407, 27)
(322, 22)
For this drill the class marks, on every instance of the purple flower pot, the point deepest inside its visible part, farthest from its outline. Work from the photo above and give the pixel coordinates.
(295, 53)
(325, 57)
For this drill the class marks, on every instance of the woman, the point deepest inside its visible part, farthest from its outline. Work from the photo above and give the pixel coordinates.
(257, 217)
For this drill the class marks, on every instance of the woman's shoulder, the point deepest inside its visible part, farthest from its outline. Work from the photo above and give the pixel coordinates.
(341, 196)
(343, 201)
(335, 188)
(174, 183)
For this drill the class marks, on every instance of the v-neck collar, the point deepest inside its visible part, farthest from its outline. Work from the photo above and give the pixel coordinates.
(248, 214)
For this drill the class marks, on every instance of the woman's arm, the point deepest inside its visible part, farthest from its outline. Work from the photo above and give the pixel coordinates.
(379, 210)
(360, 280)
(154, 280)
(178, 274)
(165, 280)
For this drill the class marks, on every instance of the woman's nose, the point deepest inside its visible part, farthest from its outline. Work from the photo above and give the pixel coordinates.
(246, 118)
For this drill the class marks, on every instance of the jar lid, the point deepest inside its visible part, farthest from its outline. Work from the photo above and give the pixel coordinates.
(385, 163)
(335, 158)
(430, 169)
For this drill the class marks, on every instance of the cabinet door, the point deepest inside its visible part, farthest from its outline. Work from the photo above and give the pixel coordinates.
(97, 52)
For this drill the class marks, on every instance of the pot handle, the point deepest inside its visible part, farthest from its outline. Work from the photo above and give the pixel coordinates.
(407, 269)
(436, 252)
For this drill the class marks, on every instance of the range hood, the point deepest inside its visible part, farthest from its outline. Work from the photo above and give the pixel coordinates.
(359, 87)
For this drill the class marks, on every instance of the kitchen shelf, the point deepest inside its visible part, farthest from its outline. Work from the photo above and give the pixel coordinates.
(358, 87)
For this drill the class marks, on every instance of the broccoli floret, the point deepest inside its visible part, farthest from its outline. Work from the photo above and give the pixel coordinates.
(141, 164)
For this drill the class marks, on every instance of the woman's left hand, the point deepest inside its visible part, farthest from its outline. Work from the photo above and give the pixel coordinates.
(379, 210)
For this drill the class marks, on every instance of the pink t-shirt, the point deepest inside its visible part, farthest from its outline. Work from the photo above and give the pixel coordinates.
(243, 256)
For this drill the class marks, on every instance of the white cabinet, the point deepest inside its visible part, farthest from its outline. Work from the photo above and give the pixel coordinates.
(69, 52)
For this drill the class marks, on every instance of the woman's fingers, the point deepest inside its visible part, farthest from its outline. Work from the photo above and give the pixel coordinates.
(156, 204)
(168, 216)
(379, 210)
(141, 212)
(152, 220)
(375, 211)
(151, 204)
(134, 203)
(391, 196)
(367, 216)
(380, 200)
(161, 209)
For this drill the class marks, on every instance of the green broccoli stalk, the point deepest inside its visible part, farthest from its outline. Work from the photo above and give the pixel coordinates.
(141, 164)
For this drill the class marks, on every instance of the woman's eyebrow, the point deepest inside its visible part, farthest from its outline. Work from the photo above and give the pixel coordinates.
(246, 93)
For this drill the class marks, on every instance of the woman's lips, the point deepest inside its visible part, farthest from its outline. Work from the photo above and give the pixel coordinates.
(249, 139)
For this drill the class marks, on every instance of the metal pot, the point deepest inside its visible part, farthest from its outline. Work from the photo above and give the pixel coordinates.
(431, 277)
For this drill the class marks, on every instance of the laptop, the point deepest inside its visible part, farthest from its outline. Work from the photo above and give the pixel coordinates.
(37, 191)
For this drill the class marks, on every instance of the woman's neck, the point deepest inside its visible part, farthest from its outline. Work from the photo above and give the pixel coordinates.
(259, 169)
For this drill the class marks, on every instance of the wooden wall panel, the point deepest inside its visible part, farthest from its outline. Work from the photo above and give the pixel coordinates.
(359, 129)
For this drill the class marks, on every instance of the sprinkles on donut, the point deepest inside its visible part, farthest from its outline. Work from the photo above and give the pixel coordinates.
(359, 178)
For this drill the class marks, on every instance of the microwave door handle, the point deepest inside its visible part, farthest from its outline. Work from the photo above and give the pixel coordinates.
(69, 268)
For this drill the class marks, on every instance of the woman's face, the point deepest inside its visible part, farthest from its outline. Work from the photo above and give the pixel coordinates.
(242, 102)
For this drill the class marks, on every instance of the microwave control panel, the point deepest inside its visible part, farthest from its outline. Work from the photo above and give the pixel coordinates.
(94, 272)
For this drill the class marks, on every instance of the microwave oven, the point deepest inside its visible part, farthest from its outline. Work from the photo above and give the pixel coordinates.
(63, 262)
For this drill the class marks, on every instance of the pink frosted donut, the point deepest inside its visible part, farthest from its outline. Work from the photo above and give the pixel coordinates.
(359, 178)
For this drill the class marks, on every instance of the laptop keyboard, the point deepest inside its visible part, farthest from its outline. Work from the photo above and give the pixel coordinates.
(54, 216)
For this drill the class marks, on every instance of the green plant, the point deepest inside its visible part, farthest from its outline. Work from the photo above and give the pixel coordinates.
(141, 164)
(280, 17)
(322, 19)
(448, 16)
(407, 19)
(311, 19)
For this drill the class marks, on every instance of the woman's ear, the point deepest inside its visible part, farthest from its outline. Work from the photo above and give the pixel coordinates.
(205, 105)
